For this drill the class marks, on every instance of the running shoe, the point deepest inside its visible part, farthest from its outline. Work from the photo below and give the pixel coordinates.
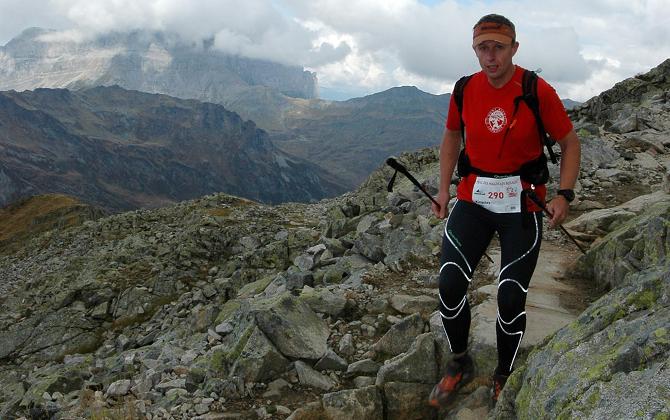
(459, 372)
(498, 384)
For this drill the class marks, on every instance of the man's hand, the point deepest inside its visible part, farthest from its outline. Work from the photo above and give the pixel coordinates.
(442, 210)
(559, 207)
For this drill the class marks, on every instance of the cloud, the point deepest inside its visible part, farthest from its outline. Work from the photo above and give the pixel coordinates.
(562, 62)
(253, 28)
(18, 15)
(64, 36)
(370, 45)
(327, 53)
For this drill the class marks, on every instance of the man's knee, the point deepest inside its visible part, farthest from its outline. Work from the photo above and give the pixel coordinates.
(453, 286)
(511, 299)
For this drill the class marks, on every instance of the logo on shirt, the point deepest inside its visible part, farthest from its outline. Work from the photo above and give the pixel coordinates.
(496, 120)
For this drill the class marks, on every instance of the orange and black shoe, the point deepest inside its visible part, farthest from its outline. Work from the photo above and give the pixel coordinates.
(498, 384)
(459, 372)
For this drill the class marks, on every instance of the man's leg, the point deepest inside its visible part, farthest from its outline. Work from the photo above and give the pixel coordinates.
(520, 247)
(465, 239)
(466, 236)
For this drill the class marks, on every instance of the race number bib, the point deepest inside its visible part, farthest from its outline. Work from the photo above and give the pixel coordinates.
(499, 195)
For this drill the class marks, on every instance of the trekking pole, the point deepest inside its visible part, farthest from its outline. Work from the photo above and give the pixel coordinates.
(393, 163)
(536, 200)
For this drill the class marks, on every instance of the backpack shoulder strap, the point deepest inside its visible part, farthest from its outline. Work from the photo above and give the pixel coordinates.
(529, 95)
(459, 88)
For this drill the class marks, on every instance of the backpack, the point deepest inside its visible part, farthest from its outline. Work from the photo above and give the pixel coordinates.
(528, 95)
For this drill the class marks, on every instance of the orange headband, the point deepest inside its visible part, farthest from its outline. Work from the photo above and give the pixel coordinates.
(491, 31)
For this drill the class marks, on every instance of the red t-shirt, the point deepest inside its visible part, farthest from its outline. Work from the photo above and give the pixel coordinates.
(488, 115)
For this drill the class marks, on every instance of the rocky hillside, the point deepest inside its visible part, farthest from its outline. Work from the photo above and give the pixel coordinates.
(155, 62)
(225, 308)
(121, 149)
(633, 105)
(348, 139)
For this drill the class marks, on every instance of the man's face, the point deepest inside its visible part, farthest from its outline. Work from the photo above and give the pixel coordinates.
(495, 58)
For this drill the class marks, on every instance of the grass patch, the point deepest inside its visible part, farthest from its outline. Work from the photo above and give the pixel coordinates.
(32, 216)
(220, 212)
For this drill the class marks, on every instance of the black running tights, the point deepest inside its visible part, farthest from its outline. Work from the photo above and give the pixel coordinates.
(467, 234)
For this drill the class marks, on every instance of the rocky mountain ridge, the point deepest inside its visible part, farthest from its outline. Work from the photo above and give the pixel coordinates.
(121, 149)
(225, 308)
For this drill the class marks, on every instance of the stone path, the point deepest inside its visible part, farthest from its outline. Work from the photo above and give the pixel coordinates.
(545, 309)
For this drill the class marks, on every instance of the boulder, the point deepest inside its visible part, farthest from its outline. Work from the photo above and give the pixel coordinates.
(310, 411)
(604, 221)
(259, 360)
(346, 345)
(51, 334)
(310, 377)
(417, 365)
(293, 327)
(323, 301)
(638, 243)
(333, 245)
(331, 361)
(304, 262)
(364, 367)
(366, 222)
(612, 360)
(405, 304)
(119, 388)
(400, 336)
(408, 401)
(609, 363)
(370, 246)
(361, 404)
(596, 152)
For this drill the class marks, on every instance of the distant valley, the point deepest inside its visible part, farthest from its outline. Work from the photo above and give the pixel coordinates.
(352, 138)
(121, 149)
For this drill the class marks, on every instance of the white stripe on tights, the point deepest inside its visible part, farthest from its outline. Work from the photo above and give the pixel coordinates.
(537, 231)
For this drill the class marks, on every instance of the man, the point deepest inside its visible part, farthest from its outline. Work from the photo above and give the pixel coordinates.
(501, 142)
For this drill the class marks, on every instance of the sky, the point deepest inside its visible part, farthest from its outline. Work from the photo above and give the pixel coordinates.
(359, 47)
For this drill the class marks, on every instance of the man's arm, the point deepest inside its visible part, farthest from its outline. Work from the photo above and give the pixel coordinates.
(570, 158)
(449, 150)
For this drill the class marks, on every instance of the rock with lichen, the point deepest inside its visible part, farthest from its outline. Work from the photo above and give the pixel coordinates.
(612, 361)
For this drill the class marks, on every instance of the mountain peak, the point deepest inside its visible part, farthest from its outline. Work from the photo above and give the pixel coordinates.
(153, 62)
